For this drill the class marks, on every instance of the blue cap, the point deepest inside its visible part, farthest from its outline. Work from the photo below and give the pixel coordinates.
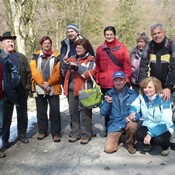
(118, 74)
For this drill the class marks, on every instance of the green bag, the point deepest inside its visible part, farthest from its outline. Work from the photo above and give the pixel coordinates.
(91, 98)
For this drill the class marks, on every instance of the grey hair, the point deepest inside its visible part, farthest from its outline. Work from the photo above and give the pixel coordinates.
(158, 25)
(142, 36)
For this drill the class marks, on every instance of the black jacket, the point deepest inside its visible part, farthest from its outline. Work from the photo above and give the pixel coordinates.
(160, 63)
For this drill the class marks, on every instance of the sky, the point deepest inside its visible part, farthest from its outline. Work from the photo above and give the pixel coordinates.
(31, 119)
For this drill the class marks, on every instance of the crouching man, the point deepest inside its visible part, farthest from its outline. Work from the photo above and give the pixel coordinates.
(117, 104)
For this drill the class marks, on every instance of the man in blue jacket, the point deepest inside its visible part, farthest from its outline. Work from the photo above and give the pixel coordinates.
(116, 105)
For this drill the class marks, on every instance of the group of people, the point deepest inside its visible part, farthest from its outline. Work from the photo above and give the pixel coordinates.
(146, 117)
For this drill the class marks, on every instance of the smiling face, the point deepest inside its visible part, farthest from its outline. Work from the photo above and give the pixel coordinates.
(149, 90)
(80, 50)
(8, 45)
(46, 46)
(72, 34)
(141, 44)
(119, 83)
(158, 35)
(109, 36)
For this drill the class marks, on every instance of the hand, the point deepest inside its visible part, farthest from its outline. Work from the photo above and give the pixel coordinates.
(108, 99)
(131, 117)
(166, 94)
(45, 85)
(147, 139)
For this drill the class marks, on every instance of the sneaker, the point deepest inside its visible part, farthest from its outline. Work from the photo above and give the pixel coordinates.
(73, 139)
(2, 155)
(23, 140)
(41, 136)
(131, 149)
(56, 138)
(165, 152)
(85, 140)
(147, 148)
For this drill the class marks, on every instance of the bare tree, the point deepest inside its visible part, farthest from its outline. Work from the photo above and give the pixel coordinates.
(21, 14)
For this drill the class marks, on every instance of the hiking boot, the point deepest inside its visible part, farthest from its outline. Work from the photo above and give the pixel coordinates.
(85, 140)
(131, 149)
(165, 152)
(147, 148)
(73, 139)
(56, 138)
(2, 154)
(41, 136)
(23, 140)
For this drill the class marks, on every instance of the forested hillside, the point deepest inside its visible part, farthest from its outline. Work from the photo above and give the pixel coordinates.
(29, 20)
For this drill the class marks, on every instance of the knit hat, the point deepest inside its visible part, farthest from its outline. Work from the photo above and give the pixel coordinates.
(74, 27)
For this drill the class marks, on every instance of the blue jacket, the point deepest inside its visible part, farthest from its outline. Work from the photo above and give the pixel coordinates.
(156, 117)
(117, 112)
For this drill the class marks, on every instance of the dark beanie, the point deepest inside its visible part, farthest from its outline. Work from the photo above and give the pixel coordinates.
(74, 27)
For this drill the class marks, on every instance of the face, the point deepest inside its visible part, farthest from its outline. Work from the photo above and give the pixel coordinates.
(158, 35)
(46, 46)
(109, 36)
(149, 90)
(72, 34)
(141, 44)
(80, 50)
(119, 83)
(8, 45)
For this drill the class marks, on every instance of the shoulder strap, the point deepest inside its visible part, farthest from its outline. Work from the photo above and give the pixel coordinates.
(113, 58)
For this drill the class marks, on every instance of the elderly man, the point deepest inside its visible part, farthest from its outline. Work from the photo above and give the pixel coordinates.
(116, 105)
(160, 62)
(22, 91)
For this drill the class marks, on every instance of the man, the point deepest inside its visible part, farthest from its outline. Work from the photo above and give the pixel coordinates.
(9, 80)
(68, 47)
(45, 68)
(116, 105)
(160, 61)
(20, 61)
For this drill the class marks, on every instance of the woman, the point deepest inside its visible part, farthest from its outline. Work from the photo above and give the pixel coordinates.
(105, 67)
(156, 116)
(136, 55)
(77, 77)
(45, 69)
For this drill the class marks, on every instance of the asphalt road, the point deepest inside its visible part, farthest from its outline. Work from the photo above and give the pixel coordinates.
(48, 158)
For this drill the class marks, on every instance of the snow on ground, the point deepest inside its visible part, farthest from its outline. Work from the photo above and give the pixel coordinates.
(31, 117)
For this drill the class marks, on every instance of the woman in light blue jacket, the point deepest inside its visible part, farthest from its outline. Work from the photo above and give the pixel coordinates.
(156, 115)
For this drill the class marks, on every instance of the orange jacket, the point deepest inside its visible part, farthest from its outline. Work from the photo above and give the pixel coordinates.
(80, 78)
(37, 76)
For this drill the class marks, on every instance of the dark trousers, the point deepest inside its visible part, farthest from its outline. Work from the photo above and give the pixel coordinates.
(106, 117)
(81, 119)
(54, 114)
(162, 140)
(22, 118)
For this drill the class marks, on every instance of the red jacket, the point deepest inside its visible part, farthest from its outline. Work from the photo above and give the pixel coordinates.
(105, 67)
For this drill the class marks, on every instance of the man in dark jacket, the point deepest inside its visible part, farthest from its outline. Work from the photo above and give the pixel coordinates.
(9, 80)
(160, 61)
(20, 61)
(116, 105)
(68, 48)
